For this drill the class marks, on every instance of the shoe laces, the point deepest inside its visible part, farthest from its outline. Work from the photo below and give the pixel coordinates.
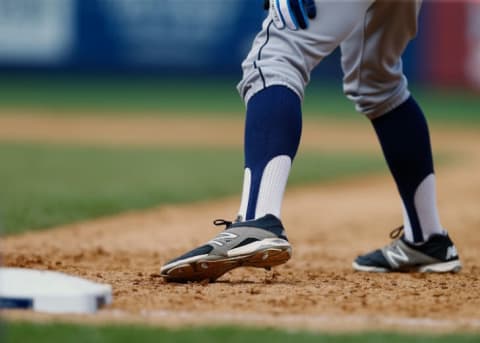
(220, 222)
(396, 233)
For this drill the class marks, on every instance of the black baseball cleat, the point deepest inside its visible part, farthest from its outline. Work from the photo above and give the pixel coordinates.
(260, 243)
(437, 255)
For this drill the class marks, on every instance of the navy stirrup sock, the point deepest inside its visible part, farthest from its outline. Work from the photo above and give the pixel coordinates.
(272, 135)
(405, 140)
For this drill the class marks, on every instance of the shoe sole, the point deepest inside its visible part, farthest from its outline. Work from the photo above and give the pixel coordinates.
(210, 268)
(443, 267)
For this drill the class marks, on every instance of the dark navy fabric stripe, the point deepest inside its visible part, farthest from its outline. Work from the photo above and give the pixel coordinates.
(298, 13)
(266, 41)
(261, 74)
(310, 8)
(20, 303)
(259, 57)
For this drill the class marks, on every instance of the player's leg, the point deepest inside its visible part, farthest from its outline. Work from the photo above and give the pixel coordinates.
(374, 80)
(276, 72)
(272, 134)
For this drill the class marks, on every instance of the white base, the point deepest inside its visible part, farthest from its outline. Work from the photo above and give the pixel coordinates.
(52, 292)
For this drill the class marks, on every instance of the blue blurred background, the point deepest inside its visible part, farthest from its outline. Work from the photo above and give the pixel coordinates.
(200, 37)
(164, 36)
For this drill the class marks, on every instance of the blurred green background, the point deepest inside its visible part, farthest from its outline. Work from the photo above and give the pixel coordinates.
(45, 185)
(137, 95)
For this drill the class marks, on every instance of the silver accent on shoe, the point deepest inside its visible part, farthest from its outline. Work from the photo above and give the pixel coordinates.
(399, 254)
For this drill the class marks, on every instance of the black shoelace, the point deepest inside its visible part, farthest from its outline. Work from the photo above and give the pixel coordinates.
(396, 233)
(220, 222)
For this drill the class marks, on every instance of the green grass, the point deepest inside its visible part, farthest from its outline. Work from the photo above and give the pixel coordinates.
(452, 106)
(47, 185)
(60, 94)
(43, 333)
(122, 95)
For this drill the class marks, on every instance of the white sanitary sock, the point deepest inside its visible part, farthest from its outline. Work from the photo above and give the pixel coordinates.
(425, 201)
(272, 188)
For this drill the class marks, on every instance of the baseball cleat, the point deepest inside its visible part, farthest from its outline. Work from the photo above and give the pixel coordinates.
(437, 255)
(260, 243)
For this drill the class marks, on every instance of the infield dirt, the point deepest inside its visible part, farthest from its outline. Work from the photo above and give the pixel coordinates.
(328, 225)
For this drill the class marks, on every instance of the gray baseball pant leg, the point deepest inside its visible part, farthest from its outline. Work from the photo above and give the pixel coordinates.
(372, 35)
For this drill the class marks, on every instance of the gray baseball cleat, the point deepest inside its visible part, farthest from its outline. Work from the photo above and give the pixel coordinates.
(437, 255)
(260, 243)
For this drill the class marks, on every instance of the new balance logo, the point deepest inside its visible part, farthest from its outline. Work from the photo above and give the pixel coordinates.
(395, 255)
(222, 238)
(451, 252)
